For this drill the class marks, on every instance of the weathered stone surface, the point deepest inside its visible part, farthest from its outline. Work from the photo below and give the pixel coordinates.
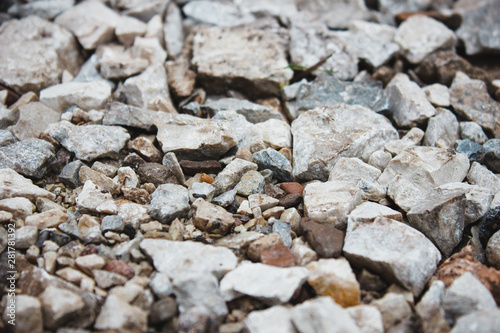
(474, 151)
(168, 202)
(327, 90)
(479, 26)
(273, 285)
(212, 218)
(331, 202)
(224, 56)
(322, 314)
(408, 104)
(328, 12)
(411, 139)
(29, 318)
(396, 312)
(117, 314)
(228, 178)
(471, 101)
(34, 118)
(274, 161)
(251, 182)
(14, 185)
(470, 130)
(208, 138)
(127, 28)
(278, 255)
(492, 155)
(394, 6)
(430, 309)
(201, 190)
(441, 218)
(438, 94)
(6, 137)
(311, 42)
(353, 170)
(26, 236)
(442, 130)
(420, 35)
(92, 22)
(48, 219)
(60, 306)
(117, 62)
(30, 157)
(173, 258)
(156, 174)
(122, 114)
(276, 318)
(493, 250)
(394, 250)
(417, 170)
(91, 197)
(481, 176)
(320, 142)
(254, 113)
(368, 211)
(163, 310)
(104, 182)
(55, 48)
(335, 278)
(326, 240)
(216, 13)
(482, 321)
(91, 141)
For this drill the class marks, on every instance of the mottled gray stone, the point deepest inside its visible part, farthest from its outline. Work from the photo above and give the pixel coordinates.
(216, 13)
(442, 129)
(70, 174)
(33, 119)
(251, 182)
(169, 202)
(274, 161)
(26, 236)
(8, 117)
(394, 250)
(117, 62)
(328, 12)
(327, 90)
(470, 130)
(52, 49)
(6, 138)
(474, 151)
(480, 175)
(228, 178)
(30, 157)
(126, 115)
(492, 155)
(112, 223)
(438, 94)
(493, 250)
(319, 142)
(46, 9)
(85, 95)
(254, 113)
(283, 228)
(91, 141)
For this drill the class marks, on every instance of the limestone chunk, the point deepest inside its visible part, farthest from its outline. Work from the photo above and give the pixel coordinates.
(212, 218)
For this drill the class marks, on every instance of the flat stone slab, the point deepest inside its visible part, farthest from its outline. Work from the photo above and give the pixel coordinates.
(323, 135)
(85, 95)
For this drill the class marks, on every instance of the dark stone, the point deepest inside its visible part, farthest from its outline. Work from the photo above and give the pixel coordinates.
(53, 235)
(274, 191)
(489, 225)
(89, 249)
(327, 241)
(120, 267)
(271, 159)
(492, 155)
(130, 231)
(133, 160)
(63, 156)
(474, 151)
(69, 175)
(156, 173)
(30, 157)
(291, 200)
(112, 223)
(327, 90)
(193, 167)
(42, 237)
(131, 116)
(163, 310)
(6, 138)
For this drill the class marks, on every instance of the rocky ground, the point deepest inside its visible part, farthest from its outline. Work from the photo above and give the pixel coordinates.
(250, 166)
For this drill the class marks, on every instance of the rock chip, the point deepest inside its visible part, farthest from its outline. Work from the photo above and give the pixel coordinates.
(70, 174)
(127, 28)
(481, 176)
(438, 94)
(326, 240)
(492, 155)
(493, 250)
(228, 178)
(168, 202)
(254, 113)
(273, 319)
(126, 115)
(470, 130)
(47, 219)
(55, 48)
(30, 157)
(117, 314)
(396, 312)
(28, 314)
(14, 185)
(273, 285)
(394, 250)
(91, 197)
(278, 255)
(212, 218)
(320, 142)
(368, 211)
(264, 243)
(156, 173)
(26, 236)
(442, 130)
(90, 142)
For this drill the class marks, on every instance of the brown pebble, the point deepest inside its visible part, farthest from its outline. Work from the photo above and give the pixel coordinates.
(194, 167)
(89, 249)
(292, 187)
(206, 178)
(264, 243)
(279, 255)
(291, 200)
(326, 240)
(120, 267)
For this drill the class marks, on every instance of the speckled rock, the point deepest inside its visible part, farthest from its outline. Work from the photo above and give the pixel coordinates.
(30, 157)
(168, 202)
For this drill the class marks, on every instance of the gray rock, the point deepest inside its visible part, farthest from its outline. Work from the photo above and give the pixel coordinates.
(471, 101)
(8, 117)
(252, 182)
(121, 114)
(480, 175)
(492, 155)
(421, 35)
(85, 95)
(172, 30)
(311, 42)
(474, 151)
(105, 279)
(70, 174)
(197, 319)
(430, 309)
(441, 218)
(113, 223)
(380, 159)
(411, 139)
(30, 157)
(465, 295)
(417, 170)
(4, 235)
(90, 142)
(201, 190)
(168, 202)
(56, 50)
(156, 174)
(322, 314)
(60, 306)
(117, 314)
(318, 142)
(275, 319)
(470, 130)
(92, 22)
(104, 182)
(170, 161)
(372, 42)
(394, 250)
(216, 13)
(438, 94)
(396, 312)
(274, 161)
(34, 118)
(209, 138)
(493, 250)
(283, 228)
(26, 236)
(224, 57)
(442, 130)
(199, 289)
(327, 12)
(6, 137)
(408, 104)
(271, 284)
(484, 321)
(327, 90)
(228, 178)
(46, 9)
(89, 72)
(226, 198)
(479, 27)
(14, 185)
(254, 113)
(177, 258)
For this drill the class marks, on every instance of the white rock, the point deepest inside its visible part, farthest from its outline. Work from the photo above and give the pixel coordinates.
(173, 31)
(26, 236)
(396, 312)
(470, 130)
(408, 104)
(380, 159)
(216, 13)
(465, 295)
(154, 29)
(273, 285)
(47, 219)
(353, 170)
(128, 28)
(149, 49)
(119, 315)
(322, 314)
(417, 170)
(60, 306)
(168, 202)
(493, 250)
(275, 133)
(85, 95)
(275, 319)
(92, 22)
(394, 250)
(421, 35)
(367, 318)
(438, 94)
(442, 130)
(303, 252)
(331, 202)
(91, 197)
(262, 201)
(19, 207)
(411, 139)
(174, 258)
(430, 309)
(201, 190)
(161, 286)
(319, 142)
(479, 321)
(368, 211)
(481, 176)
(117, 62)
(29, 318)
(14, 185)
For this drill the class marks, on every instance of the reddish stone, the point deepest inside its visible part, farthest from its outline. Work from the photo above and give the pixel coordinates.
(463, 262)
(279, 255)
(326, 240)
(89, 249)
(120, 267)
(292, 187)
(193, 167)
